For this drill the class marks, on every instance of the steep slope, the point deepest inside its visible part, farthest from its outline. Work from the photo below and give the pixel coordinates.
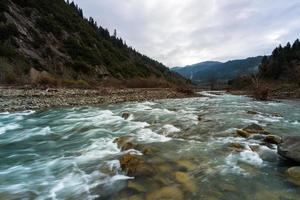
(54, 39)
(205, 72)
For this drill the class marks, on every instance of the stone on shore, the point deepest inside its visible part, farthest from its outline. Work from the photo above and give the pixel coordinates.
(289, 148)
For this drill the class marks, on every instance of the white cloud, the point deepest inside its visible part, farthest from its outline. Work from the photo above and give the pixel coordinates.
(178, 32)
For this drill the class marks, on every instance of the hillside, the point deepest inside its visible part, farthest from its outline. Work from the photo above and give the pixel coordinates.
(222, 72)
(190, 70)
(283, 64)
(278, 75)
(52, 42)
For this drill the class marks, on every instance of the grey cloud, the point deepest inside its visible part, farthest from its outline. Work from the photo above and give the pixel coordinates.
(178, 32)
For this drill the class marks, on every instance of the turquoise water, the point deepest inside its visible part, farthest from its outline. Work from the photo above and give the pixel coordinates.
(69, 153)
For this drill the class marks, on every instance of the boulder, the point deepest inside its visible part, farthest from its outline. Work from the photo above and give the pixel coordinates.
(273, 139)
(166, 193)
(242, 133)
(267, 154)
(236, 146)
(134, 165)
(293, 175)
(125, 143)
(253, 128)
(289, 148)
(125, 115)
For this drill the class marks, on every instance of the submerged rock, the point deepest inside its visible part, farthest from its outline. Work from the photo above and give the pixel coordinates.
(136, 186)
(186, 181)
(289, 148)
(293, 175)
(186, 164)
(166, 193)
(250, 112)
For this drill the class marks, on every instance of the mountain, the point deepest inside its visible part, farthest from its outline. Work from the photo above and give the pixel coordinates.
(190, 70)
(51, 41)
(205, 71)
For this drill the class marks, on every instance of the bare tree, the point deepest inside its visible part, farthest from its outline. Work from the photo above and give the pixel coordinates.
(256, 80)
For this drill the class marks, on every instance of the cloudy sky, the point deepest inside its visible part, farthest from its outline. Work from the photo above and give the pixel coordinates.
(181, 32)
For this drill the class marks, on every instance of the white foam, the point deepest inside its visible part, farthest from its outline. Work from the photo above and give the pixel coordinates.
(148, 136)
(99, 149)
(8, 127)
(169, 128)
(251, 158)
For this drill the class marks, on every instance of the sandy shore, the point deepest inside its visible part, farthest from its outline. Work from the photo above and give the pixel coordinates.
(18, 99)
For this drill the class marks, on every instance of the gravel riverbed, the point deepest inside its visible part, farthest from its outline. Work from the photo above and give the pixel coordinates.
(17, 99)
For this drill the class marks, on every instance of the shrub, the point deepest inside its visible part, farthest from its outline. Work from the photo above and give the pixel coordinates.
(7, 31)
(80, 66)
(3, 18)
(3, 5)
(49, 25)
(7, 51)
(261, 94)
(75, 83)
(187, 91)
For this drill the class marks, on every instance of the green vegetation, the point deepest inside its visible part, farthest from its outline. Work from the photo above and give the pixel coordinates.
(283, 64)
(63, 42)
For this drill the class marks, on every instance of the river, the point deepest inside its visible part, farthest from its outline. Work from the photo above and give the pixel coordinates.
(69, 153)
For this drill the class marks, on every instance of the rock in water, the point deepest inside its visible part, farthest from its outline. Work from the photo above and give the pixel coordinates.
(253, 128)
(186, 181)
(293, 175)
(125, 115)
(273, 139)
(289, 148)
(134, 165)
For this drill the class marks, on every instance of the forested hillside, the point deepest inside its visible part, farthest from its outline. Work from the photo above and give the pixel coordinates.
(283, 64)
(51, 41)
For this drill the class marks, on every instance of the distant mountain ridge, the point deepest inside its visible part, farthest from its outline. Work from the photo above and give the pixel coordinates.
(205, 71)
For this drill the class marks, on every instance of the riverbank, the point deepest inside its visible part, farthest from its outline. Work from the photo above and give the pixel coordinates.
(18, 99)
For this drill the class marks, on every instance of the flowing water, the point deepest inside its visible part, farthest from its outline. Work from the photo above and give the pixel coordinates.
(69, 153)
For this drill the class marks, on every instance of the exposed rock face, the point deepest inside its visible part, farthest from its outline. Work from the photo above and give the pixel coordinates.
(289, 148)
